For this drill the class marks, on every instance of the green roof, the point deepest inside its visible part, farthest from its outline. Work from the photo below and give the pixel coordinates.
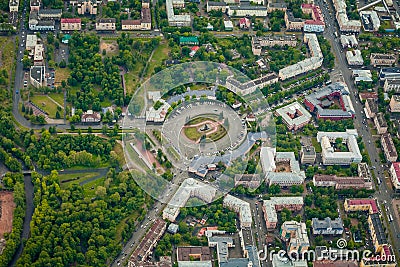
(67, 37)
(188, 39)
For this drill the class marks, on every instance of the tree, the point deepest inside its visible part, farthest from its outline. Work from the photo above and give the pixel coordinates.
(58, 116)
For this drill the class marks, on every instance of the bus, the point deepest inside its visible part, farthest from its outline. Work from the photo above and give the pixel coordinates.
(328, 82)
(390, 218)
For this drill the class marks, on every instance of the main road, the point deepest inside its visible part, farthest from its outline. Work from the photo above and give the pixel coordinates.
(384, 193)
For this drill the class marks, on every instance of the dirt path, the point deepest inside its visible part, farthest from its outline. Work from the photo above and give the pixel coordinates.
(55, 102)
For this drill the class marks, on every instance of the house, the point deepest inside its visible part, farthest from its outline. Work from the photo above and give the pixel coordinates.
(71, 24)
(37, 76)
(294, 116)
(193, 50)
(395, 175)
(228, 25)
(87, 7)
(105, 24)
(395, 103)
(292, 23)
(327, 226)
(371, 107)
(190, 40)
(90, 117)
(244, 23)
(294, 234)
(382, 59)
(389, 148)
(307, 155)
(330, 156)
(275, 204)
(380, 123)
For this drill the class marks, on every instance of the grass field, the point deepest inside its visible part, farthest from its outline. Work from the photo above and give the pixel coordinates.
(316, 145)
(62, 74)
(7, 61)
(89, 189)
(58, 97)
(194, 134)
(120, 152)
(160, 54)
(173, 152)
(43, 102)
(75, 178)
(132, 78)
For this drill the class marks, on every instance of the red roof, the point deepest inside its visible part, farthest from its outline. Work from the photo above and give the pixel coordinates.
(314, 22)
(244, 21)
(371, 202)
(71, 20)
(396, 166)
(195, 48)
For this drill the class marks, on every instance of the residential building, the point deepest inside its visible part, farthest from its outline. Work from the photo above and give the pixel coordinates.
(377, 231)
(139, 24)
(341, 182)
(371, 108)
(241, 207)
(316, 24)
(251, 181)
(281, 168)
(380, 123)
(189, 188)
(258, 42)
(382, 59)
(105, 24)
(247, 10)
(250, 87)
(38, 55)
(322, 102)
(345, 25)
(37, 76)
(364, 172)
(35, 5)
(190, 40)
(87, 7)
(279, 261)
(384, 257)
(362, 75)
(348, 41)
(367, 204)
(332, 157)
(335, 263)
(228, 25)
(354, 58)
(294, 115)
(244, 23)
(327, 226)
(31, 42)
(395, 103)
(194, 256)
(145, 3)
(389, 148)
(276, 204)
(47, 14)
(172, 228)
(370, 20)
(292, 23)
(71, 24)
(294, 234)
(395, 175)
(272, 6)
(91, 117)
(13, 5)
(43, 25)
(389, 73)
(212, 5)
(307, 155)
(309, 64)
(392, 85)
(177, 20)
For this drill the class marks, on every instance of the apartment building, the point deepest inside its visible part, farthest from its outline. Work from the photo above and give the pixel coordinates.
(380, 123)
(377, 231)
(241, 207)
(292, 23)
(392, 85)
(180, 20)
(341, 182)
(105, 24)
(294, 234)
(247, 10)
(259, 42)
(35, 5)
(250, 86)
(251, 181)
(395, 175)
(13, 5)
(327, 226)
(395, 103)
(367, 204)
(389, 73)
(144, 23)
(294, 115)
(348, 41)
(378, 59)
(307, 155)
(316, 24)
(384, 257)
(212, 5)
(388, 147)
(49, 14)
(71, 24)
(38, 55)
(272, 6)
(87, 7)
(276, 204)
(354, 58)
(371, 107)
(345, 25)
(37, 76)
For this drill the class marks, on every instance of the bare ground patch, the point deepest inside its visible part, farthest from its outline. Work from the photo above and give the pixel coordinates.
(7, 207)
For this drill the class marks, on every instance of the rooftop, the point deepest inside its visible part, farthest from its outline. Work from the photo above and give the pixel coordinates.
(74, 20)
(363, 202)
(336, 224)
(389, 144)
(294, 114)
(383, 56)
(396, 167)
(200, 253)
(378, 227)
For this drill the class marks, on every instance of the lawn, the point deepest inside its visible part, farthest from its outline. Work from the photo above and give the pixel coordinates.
(132, 78)
(160, 54)
(74, 178)
(120, 153)
(173, 152)
(89, 189)
(58, 97)
(43, 102)
(192, 133)
(316, 145)
(62, 74)
(7, 61)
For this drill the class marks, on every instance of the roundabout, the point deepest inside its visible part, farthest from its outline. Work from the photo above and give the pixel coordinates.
(205, 129)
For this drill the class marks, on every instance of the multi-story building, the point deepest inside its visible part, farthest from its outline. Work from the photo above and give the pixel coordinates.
(250, 86)
(49, 14)
(281, 168)
(309, 64)
(307, 155)
(348, 41)
(87, 7)
(389, 73)
(71, 24)
(317, 23)
(341, 182)
(371, 107)
(364, 172)
(177, 20)
(193, 256)
(294, 115)
(35, 5)
(241, 207)
(367, 204)
(327, 226)
(354, 58)
(384, 257)
(392, 85)
(247, 10)
(271, 6)
(382, 59)
(389, 148)
(38, 55)
(321, 102)
(31, 42)
(13, 5)
(371, 21)
(251, 181)
(380, 123)
(345, 25)
(105, 24)
(212, 5)
(395, 175)
(258, 42)
(377, 231)
(395, 103)
(292, 23)
(91, 116)
(332, 157)
(37, 76)
(275, 204)
(335, 263)
(139, 24)
(294, 234)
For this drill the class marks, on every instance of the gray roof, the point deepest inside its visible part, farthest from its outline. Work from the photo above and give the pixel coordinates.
(378, 227)
(50, 11)
(335, 224)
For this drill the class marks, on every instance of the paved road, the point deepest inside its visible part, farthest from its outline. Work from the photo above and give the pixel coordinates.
(384, 192)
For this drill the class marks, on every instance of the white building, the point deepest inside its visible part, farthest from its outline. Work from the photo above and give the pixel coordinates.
(294, 115)
(295, 235)
(37, 75)
(250, 86)
(275, 204)
(348, 41)
(345, 24)
(241, 207)
(247, 10)
(13, 5)
(395, 175)
(158, 115)
(177, 20)
(332, 157)
(189, 188)
(354, 58)
(371, 20)
(327, 226)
